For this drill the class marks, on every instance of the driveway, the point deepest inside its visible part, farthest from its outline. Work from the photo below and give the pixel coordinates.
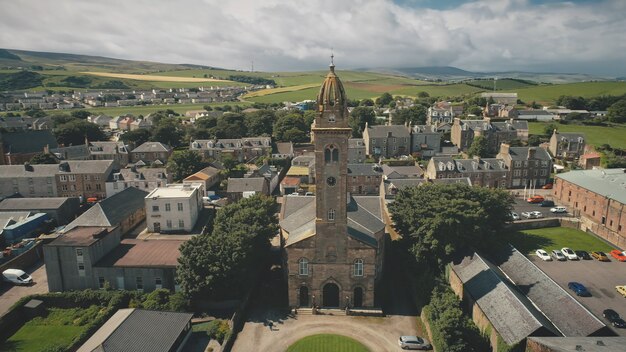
(600, 278)
(376, 333)
(9, 293)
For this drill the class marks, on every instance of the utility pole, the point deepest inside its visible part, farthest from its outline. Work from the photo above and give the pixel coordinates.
(495, 79)
(252, 66)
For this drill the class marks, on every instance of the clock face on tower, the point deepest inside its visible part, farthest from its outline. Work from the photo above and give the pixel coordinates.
(331, 181)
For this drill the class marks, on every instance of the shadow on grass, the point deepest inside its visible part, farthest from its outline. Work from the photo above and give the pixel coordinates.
(527, 243)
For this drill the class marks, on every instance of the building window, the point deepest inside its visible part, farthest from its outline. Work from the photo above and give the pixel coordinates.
(98, 187)
(79, 254)
(168, 223)
(81, 269)
(158, 283)
(101, 282)
(88, 186)
(331, 154)
(63, 178)
(64, 187)
(167, 207)
(155, 208)
(72, 178)
(603, 220)
(180, 206)
(87, 177)
(115, 185)
(96, 178)
(303, 265)
(49, 180)
(139, 283)
(331, 215)
(73, 187)
(358, 267)
(181, 223)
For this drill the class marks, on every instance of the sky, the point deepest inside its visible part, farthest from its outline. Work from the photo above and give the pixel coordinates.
(577, 36)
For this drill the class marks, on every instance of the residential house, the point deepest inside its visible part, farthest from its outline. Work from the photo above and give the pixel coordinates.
(61, 210)
(125, 122)
(141, 124)
(243, 149)
(391, 187)
(125, 330)
(270, 172)
(528, 166)
(364, 179)
(283, 150)
(425, 140)
(387, 141)
(443, 112)
(356, 151)
(101, 120)
(20, 146)
(567, 145)
(485, 172)
(501, 98)
(114, 123)
(28, 180)
(395, 172)
(83, 178)
(246, 187)
(464, 131)
(207, 177)
(590, 160)
(173, 208)
(116, 151)
(145, 179)
(151, 153)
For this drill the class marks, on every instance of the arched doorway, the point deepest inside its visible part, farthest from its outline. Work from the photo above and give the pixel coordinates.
(304, 296)
(331, 295)
(357, 299)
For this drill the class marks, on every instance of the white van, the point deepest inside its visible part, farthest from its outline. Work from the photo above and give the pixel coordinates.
(17, 276)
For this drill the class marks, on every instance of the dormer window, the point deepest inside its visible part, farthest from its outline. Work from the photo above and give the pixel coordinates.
(450, 166)
(442, 166)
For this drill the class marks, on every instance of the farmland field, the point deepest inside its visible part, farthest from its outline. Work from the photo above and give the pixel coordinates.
(547, 94)
(152, 77)
(595, 135)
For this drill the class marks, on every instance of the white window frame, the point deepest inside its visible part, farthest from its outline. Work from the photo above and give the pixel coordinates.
(303, 267)
(358, 267)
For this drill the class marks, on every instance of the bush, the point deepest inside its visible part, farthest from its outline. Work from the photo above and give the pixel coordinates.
(218, 330)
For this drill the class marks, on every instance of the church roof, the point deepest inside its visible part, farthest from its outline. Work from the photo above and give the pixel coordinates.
(332, 91)
(364, 218)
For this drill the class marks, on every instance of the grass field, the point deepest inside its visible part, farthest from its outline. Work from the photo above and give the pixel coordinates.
(153, 77)
(528, 241)
(501, 84)
(58, 328)
(327, 343)
(547, 94)
(595, 135)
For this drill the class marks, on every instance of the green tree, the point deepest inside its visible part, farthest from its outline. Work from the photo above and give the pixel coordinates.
(80, 114)
(384, 99)
(534, 140)
(548, 129)
(157, 300)
(415, 115)
(291, 128)
(574, 103)
(136, 137)
(474, 110)
(423, 94)
(366, 102)
(75, 131)
(479, 147)
(43, 158)
(617, 112)
(359, 117)
(169, 131)
(457, 217)
(35, 112)
(259, 123)
(231, 125)
(222, 264)
(183, 163)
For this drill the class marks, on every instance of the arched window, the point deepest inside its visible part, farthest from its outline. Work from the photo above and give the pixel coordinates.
(331, 215)
(303, 265)
(358, 267)
(331, 154)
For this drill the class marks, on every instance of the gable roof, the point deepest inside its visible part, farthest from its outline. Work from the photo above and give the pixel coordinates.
(382, 131)
(152, 147)
(111, 211)
(203, 174)
(240, 185)
(31, 141)
(34, 203)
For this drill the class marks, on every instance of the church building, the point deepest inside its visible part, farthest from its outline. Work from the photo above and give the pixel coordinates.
(333, 242)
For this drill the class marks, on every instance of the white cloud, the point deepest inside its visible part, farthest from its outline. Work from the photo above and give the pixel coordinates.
(287, 35)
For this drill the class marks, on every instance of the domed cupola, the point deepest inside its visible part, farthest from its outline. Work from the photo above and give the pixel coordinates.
(332, 96)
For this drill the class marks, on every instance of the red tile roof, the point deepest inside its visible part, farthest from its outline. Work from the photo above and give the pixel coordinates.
(291, 181)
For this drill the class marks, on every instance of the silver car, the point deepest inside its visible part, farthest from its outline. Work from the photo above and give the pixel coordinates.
(414, 343)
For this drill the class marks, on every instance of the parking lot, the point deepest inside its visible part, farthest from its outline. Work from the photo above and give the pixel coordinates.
(600, 278)
(9, 293)
(521, 206)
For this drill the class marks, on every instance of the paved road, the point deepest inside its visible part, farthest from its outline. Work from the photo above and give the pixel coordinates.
(521, 206)
(9, 293)
(600, 278)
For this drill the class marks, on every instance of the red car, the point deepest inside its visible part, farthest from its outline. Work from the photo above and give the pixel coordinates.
(535, 199)
(547, 186)
(619, 255)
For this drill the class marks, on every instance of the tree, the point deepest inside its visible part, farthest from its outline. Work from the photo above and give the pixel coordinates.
(136, 137)
(359, 117)
(474, 110)
(157, 300)
(291, 128)
(366, 102)
(617, 112)
(35, 112)
(231, 125)
(423, 94)
(259, 123)
(457, 216)
(75, 131)
(222, 264)
(574, 103)
(184, 163)
(479, 147)
(169, 131)
(43, 158)
(548, 130)
(415, 115)
(80, 114)
(534, 140)
(384, 99)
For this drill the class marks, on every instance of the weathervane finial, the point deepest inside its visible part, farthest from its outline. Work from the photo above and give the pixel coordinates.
(332, 60)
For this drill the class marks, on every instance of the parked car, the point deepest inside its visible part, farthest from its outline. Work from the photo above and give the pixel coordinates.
(527, 214)
(413, 343)
(583, 255)
(547, 186)
(569, 254)
(514, 216)
(621, 289)
(559, 209)
(619, 255)
(600, 256)
(558, 255)
(309, 194)
(614, 318)
(543, 255)
(536, 214)
(17, 276)
(535, 199)
(546, 203)
(579, 289)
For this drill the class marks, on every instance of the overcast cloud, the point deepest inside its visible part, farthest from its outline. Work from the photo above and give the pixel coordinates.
(293, 35)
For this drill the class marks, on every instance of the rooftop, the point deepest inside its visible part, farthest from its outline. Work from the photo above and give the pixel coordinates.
(81, 236)
(143, 253)
(237, 185)
(152, 147)
(587, 344)
(610, 183)
(31, 141)
(382, 131)
(178, 190)
(33, 203)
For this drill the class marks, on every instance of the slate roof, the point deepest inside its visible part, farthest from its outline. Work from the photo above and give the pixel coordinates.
(570, 136)
(425, 129)
(521, 153)
(565, 313)
(73, 152)
(143, 253)
(587, 344)
(382, 131)
(111, 211)
(152, 147)
(50, 170)
(86, 166)
(363, 170)
(240, 185)
(534, 112)
(138, 330)
(508, 311)
(356, 143)
(107, 148)
(470, 165)
(32, 203)
(610, 183)
(511, 125)
(31, 141)
(364, 218)
(449, 181)
(143, 174)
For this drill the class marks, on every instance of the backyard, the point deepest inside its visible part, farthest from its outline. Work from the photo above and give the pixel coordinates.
(327, 342)
(527, 241)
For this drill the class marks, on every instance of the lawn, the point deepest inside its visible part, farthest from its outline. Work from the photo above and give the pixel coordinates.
(528, 241)
(327, 343)
(595, 135)
(58, 328)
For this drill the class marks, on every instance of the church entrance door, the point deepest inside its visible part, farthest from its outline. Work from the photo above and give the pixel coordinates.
(304, 296)
(358, 298)
(331, 295)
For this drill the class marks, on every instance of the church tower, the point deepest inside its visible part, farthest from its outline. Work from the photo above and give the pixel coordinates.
(331, 133)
